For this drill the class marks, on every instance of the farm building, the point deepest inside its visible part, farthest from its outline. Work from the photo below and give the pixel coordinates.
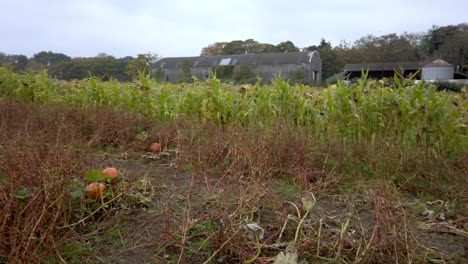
(381, 70)
(434, 70)
(298, 65)
(437, 70)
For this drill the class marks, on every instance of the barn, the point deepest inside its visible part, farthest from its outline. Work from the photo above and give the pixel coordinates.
(434, 70)
(305, 65)
(381, 70)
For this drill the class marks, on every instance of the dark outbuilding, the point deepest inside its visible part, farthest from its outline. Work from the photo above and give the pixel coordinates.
(267, 66)
(382, 70)
(434, 70)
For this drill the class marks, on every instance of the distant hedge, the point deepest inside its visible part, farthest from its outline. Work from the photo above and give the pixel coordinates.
(444, 85)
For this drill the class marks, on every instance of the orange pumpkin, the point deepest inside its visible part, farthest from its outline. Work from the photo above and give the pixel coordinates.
(95, 190)
(155, 147)
(110, 175)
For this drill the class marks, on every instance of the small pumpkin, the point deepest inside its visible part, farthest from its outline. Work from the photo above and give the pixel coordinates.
(155, 147)
(95, 190)
(110, 174)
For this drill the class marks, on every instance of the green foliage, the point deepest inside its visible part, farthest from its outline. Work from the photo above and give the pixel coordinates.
(272, 136)
(455, 48)
(243, 74)
(23, 194)
(160, 75)
(186, 74)
(333, 79)
(17, 63)
(389, 48)
(329, 59)
(224, 72)
(49, 58)
(297, 77)
(234, 47)
(441, 85)
(143, 62)
(213, 49)
(437, 36)
(28, 87)
(286, 46)
(248, 46)
(105, 67)
(93, 176)
(407, 113)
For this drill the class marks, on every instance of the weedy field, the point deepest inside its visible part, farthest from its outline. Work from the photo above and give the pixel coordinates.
(374, 172)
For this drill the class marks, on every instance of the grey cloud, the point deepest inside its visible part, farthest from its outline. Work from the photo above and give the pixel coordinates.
(183, 28)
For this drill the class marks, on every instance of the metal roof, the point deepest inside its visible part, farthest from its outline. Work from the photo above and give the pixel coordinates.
(396, 65)
(438, 63)
(237, 59)
(383, 66)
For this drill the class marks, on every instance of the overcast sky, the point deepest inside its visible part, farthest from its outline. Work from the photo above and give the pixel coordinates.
(84, 28)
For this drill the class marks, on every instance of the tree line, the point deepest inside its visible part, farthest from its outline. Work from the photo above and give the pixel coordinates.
(447, 42)
(61, 66)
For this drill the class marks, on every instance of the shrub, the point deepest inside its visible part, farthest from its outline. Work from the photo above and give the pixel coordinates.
(297, 77)
(243, 74)
(224, 72)
(444, 85)
(160, 75)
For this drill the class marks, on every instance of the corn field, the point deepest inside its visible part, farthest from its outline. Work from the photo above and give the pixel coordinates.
(404, 112)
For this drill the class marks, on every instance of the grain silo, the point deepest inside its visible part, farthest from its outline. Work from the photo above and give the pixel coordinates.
(437, 70)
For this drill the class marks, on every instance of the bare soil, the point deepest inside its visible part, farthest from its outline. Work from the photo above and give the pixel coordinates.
(160, 197)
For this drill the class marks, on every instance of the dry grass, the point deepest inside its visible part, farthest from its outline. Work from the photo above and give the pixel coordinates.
(235, 175)
(382, 179)
(43, 157)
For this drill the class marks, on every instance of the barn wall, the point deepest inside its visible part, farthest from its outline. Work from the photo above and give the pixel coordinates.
(267, 72)
(270, 72)
(267, 66)
(173, 74)
(200, 72)
(176, 74)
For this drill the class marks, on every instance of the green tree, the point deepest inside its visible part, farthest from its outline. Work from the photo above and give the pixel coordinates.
(310, 48)
(123, 66)
(286, 46)
(455, 49)
(328, 57)
(252, 46)
(17, 63)
(437, 36)
(103, 55)
(387, 48)
(346, 53)
(234, 47)
(186, 73)
(143, 62)
(267, 48)
(35, 66)
(49, 58)
(213, 49)
(103, 67)
(77, 68)
(159, 75)
(248, 46)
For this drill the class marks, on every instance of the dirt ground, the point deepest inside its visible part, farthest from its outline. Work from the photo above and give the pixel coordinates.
(161, 198)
